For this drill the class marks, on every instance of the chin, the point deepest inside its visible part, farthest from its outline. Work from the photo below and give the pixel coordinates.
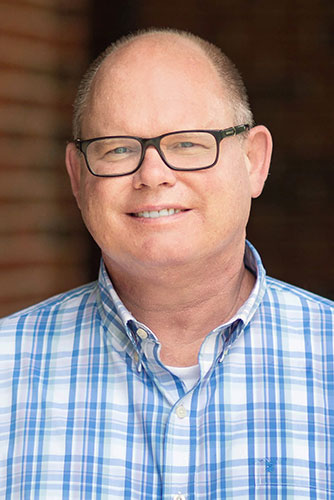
(167, 252)
(149, 256)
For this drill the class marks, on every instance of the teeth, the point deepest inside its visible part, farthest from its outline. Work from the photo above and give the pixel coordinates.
(165, 212)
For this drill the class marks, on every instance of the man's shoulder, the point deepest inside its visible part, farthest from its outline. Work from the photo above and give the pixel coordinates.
(61, 305)
(292, 296)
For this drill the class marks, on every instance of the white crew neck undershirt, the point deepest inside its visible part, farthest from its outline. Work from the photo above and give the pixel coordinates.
(188, 374)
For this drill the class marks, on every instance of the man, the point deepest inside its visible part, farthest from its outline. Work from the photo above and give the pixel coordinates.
(184, 372)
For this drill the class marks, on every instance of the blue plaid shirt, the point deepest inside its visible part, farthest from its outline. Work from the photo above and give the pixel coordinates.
(88, 411)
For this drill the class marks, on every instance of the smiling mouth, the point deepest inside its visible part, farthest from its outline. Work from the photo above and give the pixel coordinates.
(154, 214)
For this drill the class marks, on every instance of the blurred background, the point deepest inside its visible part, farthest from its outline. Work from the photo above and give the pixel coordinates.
(284, 51)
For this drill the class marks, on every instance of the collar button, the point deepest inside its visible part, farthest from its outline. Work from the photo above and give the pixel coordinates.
(142, 333)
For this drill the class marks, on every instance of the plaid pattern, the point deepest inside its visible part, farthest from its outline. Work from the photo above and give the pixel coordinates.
(87, 411)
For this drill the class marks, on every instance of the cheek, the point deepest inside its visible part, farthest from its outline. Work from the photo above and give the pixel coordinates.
(229, 199)
(98, 207)
(230, 185)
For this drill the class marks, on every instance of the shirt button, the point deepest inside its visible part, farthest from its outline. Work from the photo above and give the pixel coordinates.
(181, 412)
(142, 333)
(179, 497)
(135, 357)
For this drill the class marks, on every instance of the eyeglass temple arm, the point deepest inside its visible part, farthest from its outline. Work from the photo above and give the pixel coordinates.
(236, 130)
(77, 143)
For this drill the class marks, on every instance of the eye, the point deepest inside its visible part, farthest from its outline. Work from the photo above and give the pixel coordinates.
(121, 150)
(113, 153)
(117, 152)
(186, 144)
(187, 147)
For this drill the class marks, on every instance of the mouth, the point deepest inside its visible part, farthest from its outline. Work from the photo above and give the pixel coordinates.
(155, 214)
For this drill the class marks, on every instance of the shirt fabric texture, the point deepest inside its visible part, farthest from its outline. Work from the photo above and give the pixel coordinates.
(88, 411)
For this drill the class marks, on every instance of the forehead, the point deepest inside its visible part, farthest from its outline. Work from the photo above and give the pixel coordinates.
(155, 82)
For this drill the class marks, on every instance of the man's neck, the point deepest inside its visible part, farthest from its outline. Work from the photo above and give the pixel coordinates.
(182, 308)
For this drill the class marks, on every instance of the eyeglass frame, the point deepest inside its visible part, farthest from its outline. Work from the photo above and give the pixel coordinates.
(219, 135)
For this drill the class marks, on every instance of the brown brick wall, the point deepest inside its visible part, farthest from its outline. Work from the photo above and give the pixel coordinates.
(43, 49)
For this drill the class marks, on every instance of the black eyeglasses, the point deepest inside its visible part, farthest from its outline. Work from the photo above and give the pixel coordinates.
(184, 150)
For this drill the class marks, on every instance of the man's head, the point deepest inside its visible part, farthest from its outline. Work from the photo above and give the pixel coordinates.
(152, 84)
(230, 77)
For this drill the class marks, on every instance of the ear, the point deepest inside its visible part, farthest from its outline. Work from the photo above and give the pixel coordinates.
(258, 150)
(73, 165)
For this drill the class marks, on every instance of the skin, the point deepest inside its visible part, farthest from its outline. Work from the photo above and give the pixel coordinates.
(181, 275)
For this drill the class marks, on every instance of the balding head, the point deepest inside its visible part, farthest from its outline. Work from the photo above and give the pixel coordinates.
(149, 50)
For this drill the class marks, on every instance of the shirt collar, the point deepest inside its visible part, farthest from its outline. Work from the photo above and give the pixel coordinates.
(113, 310)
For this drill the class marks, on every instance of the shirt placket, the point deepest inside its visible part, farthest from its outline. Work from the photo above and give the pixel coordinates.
(178, 451)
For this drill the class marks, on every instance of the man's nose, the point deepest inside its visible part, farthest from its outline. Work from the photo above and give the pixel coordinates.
(153, 172)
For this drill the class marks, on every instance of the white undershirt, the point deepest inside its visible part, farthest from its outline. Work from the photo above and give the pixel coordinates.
(188, 374)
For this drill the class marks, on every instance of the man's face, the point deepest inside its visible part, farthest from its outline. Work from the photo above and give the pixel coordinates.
(147, 90)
